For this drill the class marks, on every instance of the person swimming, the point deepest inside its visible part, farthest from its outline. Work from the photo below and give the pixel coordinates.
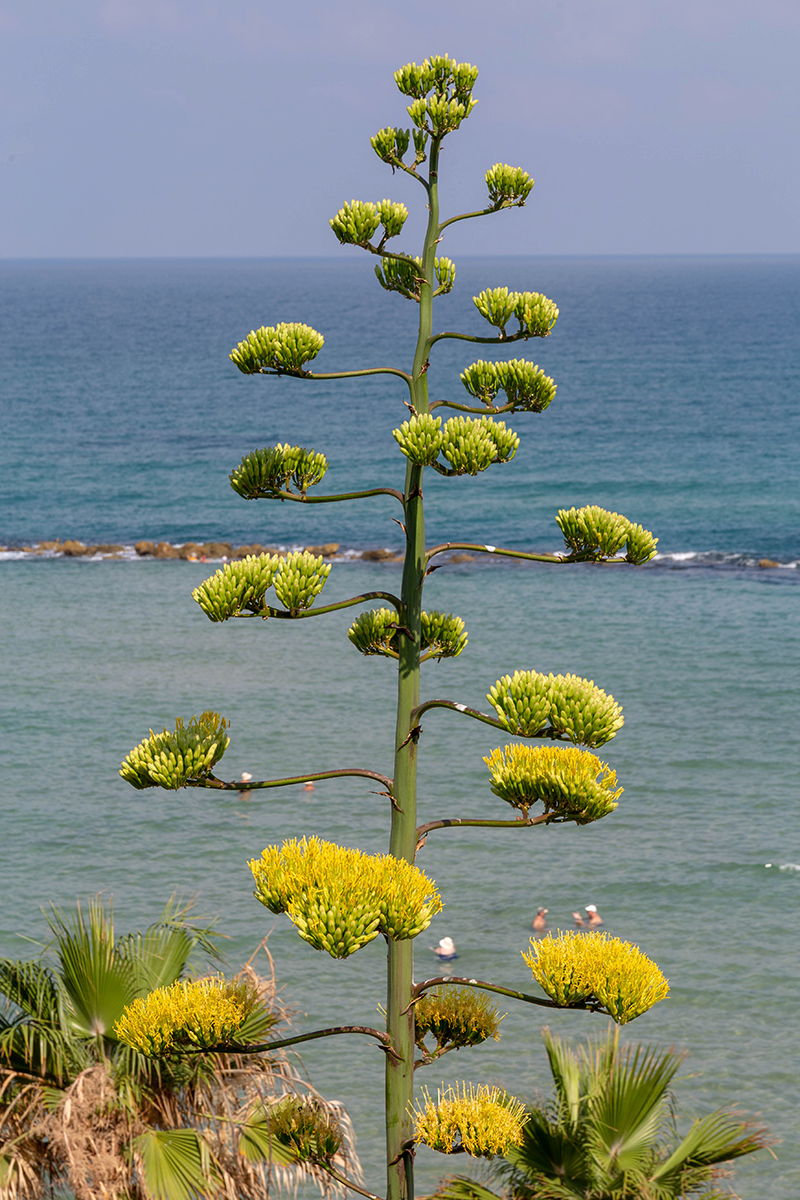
(446, 950)
(540, 920)
(245, 793)
(594, 917)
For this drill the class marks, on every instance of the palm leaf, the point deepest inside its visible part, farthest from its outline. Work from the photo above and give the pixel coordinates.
(176, 1164)
(459, 1187)
(717, 1138)
(97, 982)
(565, 1070)
(33, 1036)
(628, 1111)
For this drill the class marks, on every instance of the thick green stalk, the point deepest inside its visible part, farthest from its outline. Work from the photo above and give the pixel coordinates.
(399, 1011)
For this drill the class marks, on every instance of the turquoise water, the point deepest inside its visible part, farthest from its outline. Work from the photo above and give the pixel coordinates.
(676, 405)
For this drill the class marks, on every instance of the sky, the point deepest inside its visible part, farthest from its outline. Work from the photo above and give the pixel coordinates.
(162, 128)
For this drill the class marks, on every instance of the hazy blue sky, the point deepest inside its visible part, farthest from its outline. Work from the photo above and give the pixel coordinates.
(238, 127)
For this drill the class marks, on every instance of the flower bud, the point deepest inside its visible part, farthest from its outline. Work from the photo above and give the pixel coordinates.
(355, 223)
(237, 586)
(420, 438)
(573, 785)
(172, 758)
(299, 579)
(525, 385)
(507, 185)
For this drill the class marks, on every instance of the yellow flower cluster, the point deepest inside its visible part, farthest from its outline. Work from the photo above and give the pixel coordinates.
(573, 785)
(189, 1014)
(455, 1017)
(576, 967)
(340, 899)
(483, 1121)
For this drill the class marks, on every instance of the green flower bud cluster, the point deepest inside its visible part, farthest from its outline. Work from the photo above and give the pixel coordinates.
(282, 348)
(480, 1120)
(398, 275)
(641, 545)
(271, 470)
(300, 1126)
(508, 185)
(576, 968)
(530, 704)
(442, 93)
(420, 438)
(527, 387)
(391, 144)
(443, 635)
(573, 785)
(471, 444)
(356, 222)
(455, 1017)
(174, 757)
(468, 444)
(438, 73)
(592, 533)
(376, 632)
(237, 586)
(438, 116)
(299, 579)
(340, 899)
(535, 313)
(188, 1015)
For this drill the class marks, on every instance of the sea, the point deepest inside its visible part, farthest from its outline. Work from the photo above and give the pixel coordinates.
(677, 405)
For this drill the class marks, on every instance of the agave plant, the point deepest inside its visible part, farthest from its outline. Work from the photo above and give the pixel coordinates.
(83, 1112)
(609, 1133)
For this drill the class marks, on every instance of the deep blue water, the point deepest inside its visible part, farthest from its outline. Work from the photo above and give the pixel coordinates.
(677, 405)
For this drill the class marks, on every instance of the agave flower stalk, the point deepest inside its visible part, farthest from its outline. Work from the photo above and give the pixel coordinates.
(339, 900)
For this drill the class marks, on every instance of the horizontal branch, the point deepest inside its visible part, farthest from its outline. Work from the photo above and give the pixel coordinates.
(339, 374)
(491, 341)
(235, 785)
(480, 212)
(301, 499)
(477, 715)
(499, 550)
(457, 822)
(484, 411)
(263, 1047)
(441, 980)
(283, 615)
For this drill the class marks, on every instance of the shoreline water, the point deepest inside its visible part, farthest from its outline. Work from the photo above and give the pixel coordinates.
(222, 552)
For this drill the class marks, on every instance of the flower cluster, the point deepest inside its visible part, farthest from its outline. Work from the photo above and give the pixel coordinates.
(530, 704)
(282, 348)
(340, 899)
(274, 469)
(572, 784)
(592, 533)
(480, 1120)
(174, 757)
(190, 1014)
(576, 968)
(455, 1017)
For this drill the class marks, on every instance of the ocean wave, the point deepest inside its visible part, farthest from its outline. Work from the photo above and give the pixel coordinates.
(224, 551)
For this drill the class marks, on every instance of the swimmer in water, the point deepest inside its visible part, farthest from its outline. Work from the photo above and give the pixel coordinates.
(594, 917)
(245, 793)
(540, 920)
(446, 950)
